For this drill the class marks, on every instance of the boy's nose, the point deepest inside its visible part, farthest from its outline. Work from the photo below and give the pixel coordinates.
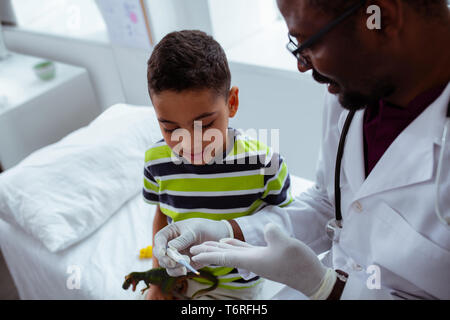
(193, 146)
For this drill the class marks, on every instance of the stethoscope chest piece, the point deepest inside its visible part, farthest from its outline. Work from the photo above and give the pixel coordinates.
(333, 230)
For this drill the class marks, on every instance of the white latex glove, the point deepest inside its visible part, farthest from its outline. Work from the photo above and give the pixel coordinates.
(182, 235)
(285, 259)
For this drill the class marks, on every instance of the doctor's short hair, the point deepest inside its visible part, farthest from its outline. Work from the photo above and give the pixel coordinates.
(188, 60)
(428, 8)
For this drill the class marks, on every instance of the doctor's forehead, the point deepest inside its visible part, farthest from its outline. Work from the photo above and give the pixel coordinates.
(303, 19)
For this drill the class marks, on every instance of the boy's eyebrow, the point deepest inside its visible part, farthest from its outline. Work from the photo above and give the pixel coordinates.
(203, 115)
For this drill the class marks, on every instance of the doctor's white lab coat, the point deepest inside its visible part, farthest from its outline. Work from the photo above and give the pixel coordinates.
(392, 243)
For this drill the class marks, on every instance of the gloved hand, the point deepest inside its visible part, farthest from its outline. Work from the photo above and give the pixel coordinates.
(285, 259)
(182, 235)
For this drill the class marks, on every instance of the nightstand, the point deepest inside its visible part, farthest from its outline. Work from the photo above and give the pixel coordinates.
(37, 113)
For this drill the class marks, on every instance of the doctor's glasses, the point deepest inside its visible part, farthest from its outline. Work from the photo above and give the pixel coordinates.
(297, 49)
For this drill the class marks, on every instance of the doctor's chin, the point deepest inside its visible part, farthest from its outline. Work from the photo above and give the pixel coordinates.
(241, 152)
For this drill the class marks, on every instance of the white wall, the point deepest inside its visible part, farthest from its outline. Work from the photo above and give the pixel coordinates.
(96, 57)
(234, 20)
(288, 101)
(171, 15)
(161, 26)
(118, 74)
(132, 69)
(228, 21)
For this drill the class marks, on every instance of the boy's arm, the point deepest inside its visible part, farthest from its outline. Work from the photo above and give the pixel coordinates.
(237, 231)
(277, 191)
(277, 182)
(159, 222)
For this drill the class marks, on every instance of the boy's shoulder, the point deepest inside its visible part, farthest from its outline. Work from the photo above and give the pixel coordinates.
(157, 151)
(247, 143)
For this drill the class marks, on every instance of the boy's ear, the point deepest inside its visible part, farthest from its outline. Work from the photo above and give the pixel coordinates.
(233, 101)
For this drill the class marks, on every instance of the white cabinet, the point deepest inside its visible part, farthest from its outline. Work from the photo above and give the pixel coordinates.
(37, 112)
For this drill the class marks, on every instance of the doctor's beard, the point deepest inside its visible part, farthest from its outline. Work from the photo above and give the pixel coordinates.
(354, 100)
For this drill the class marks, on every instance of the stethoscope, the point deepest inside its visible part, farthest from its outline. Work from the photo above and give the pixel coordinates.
(334, 226)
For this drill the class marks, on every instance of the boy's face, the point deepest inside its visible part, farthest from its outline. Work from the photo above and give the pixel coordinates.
(194, 123)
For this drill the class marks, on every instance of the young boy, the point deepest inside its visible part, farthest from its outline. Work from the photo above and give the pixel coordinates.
(213, 171)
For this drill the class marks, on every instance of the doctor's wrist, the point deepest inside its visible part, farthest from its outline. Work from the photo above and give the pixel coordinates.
(325, 287)
(339, 285)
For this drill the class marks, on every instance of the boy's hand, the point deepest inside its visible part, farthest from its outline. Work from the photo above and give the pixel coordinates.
(181, 236)
(155, 293)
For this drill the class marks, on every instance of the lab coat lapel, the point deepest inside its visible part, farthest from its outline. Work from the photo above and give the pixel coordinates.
(353, 159)
(410, 158)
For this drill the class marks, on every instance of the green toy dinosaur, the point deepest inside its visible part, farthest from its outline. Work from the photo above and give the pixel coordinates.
(170, 286)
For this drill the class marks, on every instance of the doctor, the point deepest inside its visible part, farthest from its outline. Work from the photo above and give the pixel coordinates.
(389, 243)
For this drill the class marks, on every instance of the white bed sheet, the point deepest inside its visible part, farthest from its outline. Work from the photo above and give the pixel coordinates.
(103, 259)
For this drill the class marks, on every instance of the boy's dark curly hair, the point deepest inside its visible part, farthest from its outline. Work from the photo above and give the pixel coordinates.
(188, 60)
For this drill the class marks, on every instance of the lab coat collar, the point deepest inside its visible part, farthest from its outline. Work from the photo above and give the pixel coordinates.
(409, 159)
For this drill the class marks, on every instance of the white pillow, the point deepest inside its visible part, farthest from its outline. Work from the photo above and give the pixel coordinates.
(62, 193)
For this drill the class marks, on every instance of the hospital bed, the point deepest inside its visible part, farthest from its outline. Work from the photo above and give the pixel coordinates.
(72, 218)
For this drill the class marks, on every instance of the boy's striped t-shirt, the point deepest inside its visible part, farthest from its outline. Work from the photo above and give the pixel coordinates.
(249, 177)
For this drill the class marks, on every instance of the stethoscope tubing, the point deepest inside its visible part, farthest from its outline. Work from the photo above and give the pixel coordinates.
(337, 171)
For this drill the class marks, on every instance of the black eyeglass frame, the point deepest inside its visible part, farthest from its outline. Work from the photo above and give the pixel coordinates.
(297, 51)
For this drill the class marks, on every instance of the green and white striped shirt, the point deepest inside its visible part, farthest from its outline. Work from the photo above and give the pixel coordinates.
(249, 178)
